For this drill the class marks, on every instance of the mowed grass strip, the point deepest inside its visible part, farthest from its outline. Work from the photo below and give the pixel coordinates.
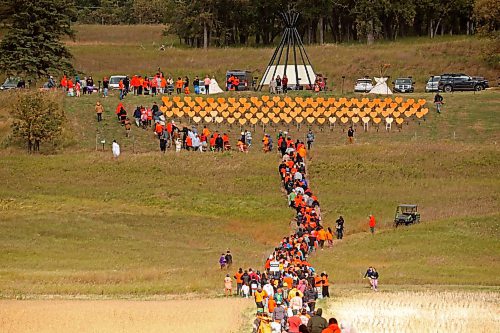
(82, 223)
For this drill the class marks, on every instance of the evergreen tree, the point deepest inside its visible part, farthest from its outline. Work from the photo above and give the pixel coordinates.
(32, 47)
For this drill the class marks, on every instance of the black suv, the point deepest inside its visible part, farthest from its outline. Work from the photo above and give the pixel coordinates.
(461, 82)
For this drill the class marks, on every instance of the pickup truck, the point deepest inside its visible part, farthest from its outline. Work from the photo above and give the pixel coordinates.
(449, 83)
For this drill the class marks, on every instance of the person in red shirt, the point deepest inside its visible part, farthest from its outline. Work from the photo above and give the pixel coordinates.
(293, 323)
(372, 223)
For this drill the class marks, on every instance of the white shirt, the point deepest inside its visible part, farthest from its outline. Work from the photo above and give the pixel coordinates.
(268, 289)
(116, 149)
(296, 303)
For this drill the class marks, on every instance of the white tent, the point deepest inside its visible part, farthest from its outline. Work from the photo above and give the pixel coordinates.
(213, 88)
(290, 73)
(381, 87)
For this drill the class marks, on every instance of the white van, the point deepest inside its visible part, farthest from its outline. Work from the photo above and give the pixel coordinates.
(114, 81)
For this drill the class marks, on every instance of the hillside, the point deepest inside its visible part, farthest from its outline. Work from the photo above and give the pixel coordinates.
(107, 50)
(80, 223)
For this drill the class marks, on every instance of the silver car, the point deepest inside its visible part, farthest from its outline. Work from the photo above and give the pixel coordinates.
(432, 84)
(363, 85)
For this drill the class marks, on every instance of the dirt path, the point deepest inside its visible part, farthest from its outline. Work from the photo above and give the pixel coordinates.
(210, 315)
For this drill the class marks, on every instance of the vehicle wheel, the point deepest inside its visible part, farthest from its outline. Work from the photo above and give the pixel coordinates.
(448, 88)
(478, 88)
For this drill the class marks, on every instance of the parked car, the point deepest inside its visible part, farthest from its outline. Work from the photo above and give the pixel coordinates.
(363, 85)
(12, 83)
(432, 84)
(406, 214)
(115, 80)
(404, 85)
(245, 77)
(461, 82)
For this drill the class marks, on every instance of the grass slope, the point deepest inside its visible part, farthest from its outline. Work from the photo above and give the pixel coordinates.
(80, 223)
(107, 50)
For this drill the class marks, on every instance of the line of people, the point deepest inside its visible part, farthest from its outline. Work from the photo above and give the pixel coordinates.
(286, 292)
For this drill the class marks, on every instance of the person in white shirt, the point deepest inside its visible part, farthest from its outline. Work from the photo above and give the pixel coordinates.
(245, 290)
(115, 147)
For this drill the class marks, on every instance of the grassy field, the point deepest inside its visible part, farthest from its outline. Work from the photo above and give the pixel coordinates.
(107, 50)
(76, 222)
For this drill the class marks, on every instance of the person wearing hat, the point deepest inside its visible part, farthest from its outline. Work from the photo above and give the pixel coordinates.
(317, 323)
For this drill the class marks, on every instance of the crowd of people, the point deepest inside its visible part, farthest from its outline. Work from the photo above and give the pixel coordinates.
(137, 85)
(286, 291)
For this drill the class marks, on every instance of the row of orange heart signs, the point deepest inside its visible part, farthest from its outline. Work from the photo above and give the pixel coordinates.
(287, 100)
(297, 120)
(316, 114)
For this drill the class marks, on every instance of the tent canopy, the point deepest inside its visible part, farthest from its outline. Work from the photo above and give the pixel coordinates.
(381, 87)
(302, 70)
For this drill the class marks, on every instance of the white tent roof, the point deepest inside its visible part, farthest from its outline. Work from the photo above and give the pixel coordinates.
(381, 87)
(290, 73)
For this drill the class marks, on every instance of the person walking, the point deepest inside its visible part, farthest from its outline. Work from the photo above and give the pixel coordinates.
(115, 147)
(228, 286)
(372, 223)
(350, 135)
(99, 109)
(340, 227)
(317, 323)
(438, 101)
(222, 259)
(372, 275)
(229, 259)
(309, 139)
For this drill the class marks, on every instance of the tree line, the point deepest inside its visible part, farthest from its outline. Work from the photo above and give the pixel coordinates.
(206, 23)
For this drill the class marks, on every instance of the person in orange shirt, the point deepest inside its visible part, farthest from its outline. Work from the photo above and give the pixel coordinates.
(178, 85)
(212, 143)
(239, 281)
(333, 326)
(141, 84)
(189, 143)
(325, 285)
(321, 237)
(329, 237)
(372, 223)
(206, 131)
(260, 295)
(271, 304)
(154, 86)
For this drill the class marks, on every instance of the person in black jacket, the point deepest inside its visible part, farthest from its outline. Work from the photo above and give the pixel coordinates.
(438, 100)
(316, 323)
(372, 274)
(219, 143)
(340, 227)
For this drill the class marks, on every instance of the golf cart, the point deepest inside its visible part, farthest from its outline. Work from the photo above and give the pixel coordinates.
(406, 214)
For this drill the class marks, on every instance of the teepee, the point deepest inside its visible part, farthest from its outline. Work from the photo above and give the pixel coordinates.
(290, 57)
(381, 87)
